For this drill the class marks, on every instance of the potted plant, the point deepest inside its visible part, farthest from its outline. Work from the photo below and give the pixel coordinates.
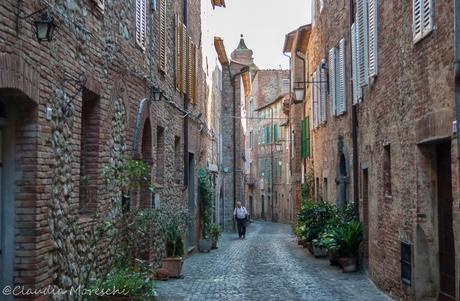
(215, 234)
(319, 248)
(124, 284)
(348, 239)
(174, 251)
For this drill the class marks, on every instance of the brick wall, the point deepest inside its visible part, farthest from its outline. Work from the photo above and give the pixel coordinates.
(407, 110)
(87, 44)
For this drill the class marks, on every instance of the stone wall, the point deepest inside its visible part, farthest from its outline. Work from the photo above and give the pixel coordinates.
(96, 51)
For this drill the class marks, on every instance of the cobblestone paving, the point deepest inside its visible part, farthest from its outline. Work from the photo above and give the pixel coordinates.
(267, 265)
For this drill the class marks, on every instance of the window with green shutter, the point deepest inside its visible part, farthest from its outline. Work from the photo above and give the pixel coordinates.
(305, 138)
(275, 133)
(267, 135)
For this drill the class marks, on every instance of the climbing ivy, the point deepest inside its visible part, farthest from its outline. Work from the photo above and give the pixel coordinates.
(206, 197)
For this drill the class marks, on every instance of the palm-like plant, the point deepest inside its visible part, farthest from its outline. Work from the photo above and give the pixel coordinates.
(347, 239)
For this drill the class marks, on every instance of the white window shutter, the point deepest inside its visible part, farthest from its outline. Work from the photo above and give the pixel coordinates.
(323, 85)
(355, 70)
(321, 100)
(341, 87)
(422, 18)
(141, 20)
(332, 81)
(362, 41)
(417, 19)
(312, 100)
(373, 38)
(427, 16)
(315, 101)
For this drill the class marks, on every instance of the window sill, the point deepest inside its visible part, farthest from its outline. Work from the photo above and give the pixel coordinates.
(388, 197)
(421, 37)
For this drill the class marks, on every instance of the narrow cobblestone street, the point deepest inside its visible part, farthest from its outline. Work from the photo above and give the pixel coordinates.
(267, 265)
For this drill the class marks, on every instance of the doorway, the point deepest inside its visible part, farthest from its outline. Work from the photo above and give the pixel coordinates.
(445, 223)
(191, 202)
(365, 202)
(251, 206)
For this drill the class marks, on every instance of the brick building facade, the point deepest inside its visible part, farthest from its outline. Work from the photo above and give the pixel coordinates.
(382, 135)
(73, 105)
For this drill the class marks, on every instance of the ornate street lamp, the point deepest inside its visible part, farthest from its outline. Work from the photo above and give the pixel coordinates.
(44, 28)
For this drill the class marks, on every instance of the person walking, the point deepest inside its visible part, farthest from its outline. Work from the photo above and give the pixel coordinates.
(240, 214)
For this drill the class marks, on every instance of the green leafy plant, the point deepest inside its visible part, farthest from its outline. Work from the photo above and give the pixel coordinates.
(131, 175)
(346, 239)
(215, 232)
(206, 197)
(313, 218)
(126, 281)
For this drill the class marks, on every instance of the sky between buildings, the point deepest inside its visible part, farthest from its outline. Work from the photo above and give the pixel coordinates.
(264, 24)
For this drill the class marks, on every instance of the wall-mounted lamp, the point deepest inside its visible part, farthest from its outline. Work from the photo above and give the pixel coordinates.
(157, 94)
(44, 27)
(299, 87)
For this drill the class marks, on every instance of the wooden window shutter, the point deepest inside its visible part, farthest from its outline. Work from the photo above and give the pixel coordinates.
(307, 137)
(183, 60)
(341, 87)
(362, 41)
(141, 20)
(422, 18)
(332, 80)
(355, 70)
(162, 43)
(191, 69)
(178, 53)
(302, 134)
(373, 38)
(194, 71)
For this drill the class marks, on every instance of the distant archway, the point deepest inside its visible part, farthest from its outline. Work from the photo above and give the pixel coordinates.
(343, 179)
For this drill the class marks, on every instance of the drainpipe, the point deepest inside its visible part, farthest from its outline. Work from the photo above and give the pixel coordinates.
(354, 133)
(186, 119)
(457, 79)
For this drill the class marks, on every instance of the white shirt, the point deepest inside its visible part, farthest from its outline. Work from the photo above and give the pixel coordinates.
(240, 213)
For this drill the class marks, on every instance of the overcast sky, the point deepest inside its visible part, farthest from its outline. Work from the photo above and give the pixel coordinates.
(264, 24)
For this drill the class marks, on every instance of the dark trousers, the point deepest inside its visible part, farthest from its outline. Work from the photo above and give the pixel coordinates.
(241, 223)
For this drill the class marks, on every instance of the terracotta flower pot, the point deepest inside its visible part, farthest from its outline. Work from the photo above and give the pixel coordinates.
(348, 264)
(173, 266)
